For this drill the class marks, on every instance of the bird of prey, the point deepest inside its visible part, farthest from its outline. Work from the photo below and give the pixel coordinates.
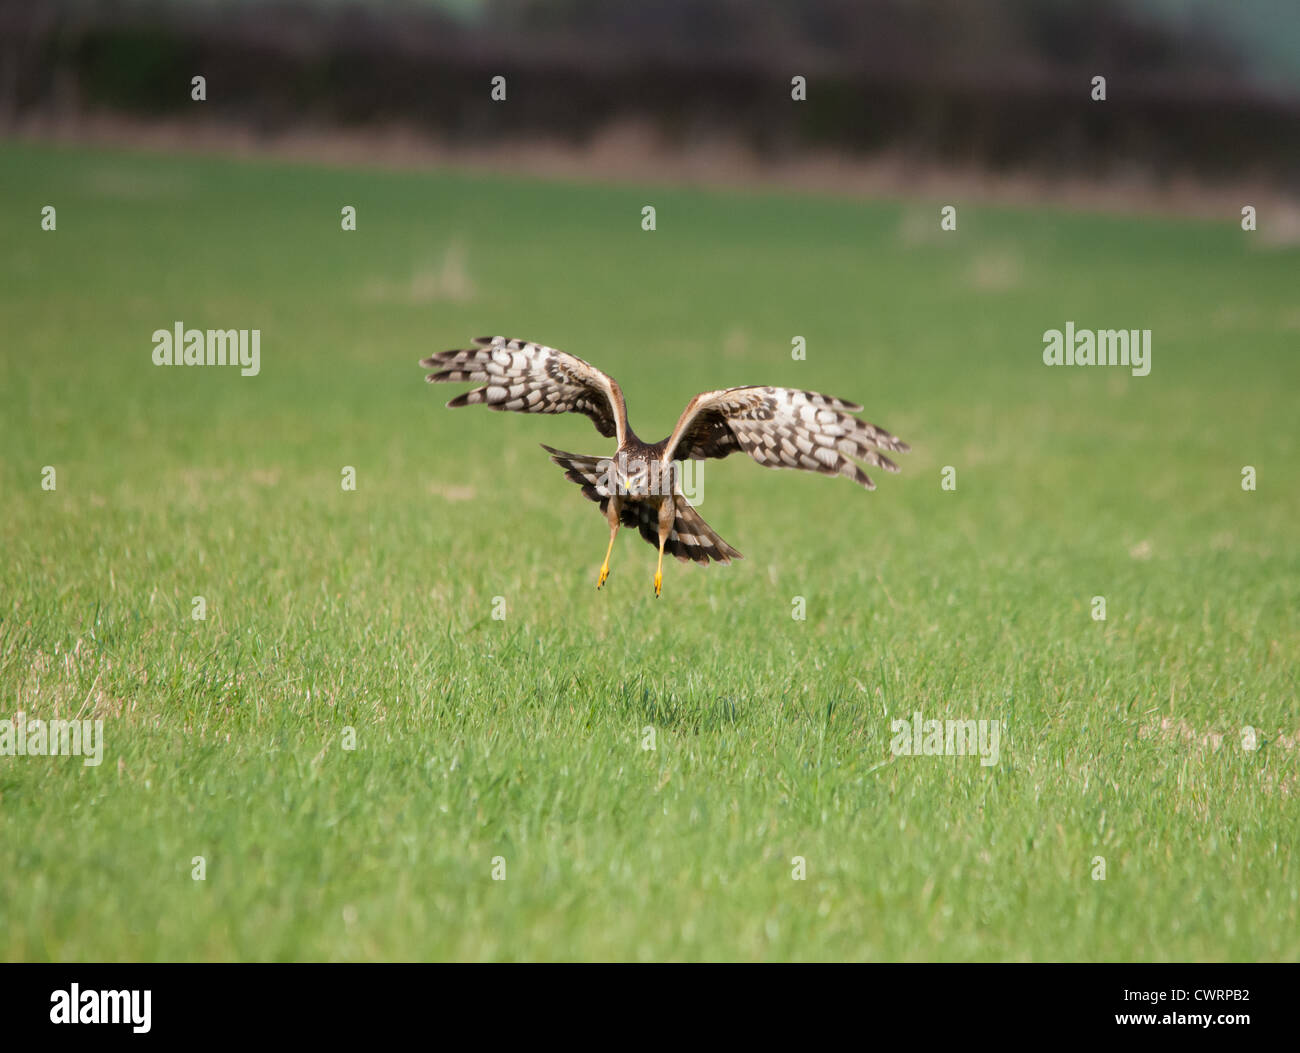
(638, 485)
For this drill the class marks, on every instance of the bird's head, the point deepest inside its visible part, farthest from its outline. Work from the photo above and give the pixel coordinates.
(634, 477)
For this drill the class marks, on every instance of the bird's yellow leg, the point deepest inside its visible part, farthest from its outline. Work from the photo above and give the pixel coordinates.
(613, 514)
(605, 567)
(667, 513)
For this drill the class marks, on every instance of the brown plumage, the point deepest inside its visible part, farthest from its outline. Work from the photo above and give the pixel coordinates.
(638, 485)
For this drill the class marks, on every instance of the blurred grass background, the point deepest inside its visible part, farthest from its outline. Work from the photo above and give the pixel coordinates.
(522, 738)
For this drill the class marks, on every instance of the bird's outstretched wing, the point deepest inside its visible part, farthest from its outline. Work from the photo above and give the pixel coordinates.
(782, 428)
(531, 378)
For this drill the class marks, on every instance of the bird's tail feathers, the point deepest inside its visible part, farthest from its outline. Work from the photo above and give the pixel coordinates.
(691, 538)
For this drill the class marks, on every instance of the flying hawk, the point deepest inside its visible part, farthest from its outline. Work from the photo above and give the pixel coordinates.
(638, 486)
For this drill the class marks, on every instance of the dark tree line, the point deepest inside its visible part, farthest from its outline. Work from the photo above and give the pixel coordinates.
(1002, 85)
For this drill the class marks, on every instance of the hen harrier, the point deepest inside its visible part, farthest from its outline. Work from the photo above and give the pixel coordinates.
(638, 486)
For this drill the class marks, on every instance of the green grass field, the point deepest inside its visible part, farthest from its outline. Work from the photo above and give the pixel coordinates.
(521, 738)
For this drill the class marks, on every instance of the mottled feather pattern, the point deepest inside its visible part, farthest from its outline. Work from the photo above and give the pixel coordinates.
(529, 378)
(591, 473)
(783, 428)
